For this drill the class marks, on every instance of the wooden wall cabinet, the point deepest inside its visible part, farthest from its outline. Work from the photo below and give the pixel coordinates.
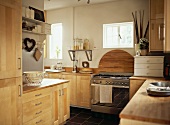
(167, 25)
(10, 39)
(156, 35)
(61, 103)
(135, 84)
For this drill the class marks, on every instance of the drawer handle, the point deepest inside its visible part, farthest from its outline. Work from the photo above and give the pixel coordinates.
(38, 112)
(38, 103)
(39, 121)
(38, 94)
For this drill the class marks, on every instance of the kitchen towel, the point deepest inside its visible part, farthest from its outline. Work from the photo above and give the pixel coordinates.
(95, 93)
(105, 93)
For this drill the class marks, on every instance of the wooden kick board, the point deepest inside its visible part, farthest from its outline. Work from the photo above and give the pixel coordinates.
(117, 61)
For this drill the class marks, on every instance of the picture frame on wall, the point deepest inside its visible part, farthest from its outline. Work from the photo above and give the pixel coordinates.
(38, 14)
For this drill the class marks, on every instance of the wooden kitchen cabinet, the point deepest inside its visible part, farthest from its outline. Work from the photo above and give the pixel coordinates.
(135, 84)
(156, 9)
(156, 29)
(167, 25)
(54, 75)
(73, 87)
(10, 39)
(10, 63)
(61, 103)
(10, 101)
(157, 35)
(37, 107)
(83, 90)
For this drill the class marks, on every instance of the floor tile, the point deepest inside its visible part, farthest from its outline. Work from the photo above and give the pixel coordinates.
(89, 123)
(94, 120)
(77, 120)
(83, 115)
(72, 123)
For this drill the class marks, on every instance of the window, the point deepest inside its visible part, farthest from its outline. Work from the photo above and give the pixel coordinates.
(55, 45)
(118, 35)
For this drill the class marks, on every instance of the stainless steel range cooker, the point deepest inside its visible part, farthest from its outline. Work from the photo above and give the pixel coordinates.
(109, 92)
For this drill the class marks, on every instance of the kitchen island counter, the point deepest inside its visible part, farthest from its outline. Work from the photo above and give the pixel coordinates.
(143, 109)
(45, 83)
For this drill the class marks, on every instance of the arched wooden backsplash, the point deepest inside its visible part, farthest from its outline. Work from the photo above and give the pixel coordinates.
(117, 61)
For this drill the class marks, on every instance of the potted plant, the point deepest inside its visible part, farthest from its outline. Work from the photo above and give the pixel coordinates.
(143, 46)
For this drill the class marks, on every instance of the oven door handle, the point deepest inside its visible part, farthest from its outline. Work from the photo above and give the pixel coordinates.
(127, 87)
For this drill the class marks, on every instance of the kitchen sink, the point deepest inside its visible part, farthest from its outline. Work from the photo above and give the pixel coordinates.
(160, 84)
(159, 89)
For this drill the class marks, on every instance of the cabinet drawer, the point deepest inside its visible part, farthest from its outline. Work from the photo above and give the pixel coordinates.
(44, 119)
(149, 60)
(35, 94)
(35, 108)
(148, 66)
(145, 72)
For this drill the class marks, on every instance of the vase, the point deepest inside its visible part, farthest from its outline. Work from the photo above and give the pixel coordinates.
(143, 52)
(137, 50)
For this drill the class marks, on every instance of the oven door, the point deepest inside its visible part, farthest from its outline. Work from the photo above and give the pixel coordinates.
(120, 97)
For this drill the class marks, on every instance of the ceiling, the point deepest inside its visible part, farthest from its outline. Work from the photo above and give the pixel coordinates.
(55, 4)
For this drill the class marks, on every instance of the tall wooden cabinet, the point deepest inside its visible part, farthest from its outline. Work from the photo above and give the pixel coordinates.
(10, 63)
(156, 37)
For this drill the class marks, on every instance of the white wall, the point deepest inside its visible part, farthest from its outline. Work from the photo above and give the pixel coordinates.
(38, 4)
(87, 21)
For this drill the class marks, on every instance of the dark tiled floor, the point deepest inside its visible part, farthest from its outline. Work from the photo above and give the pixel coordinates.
(79, 116)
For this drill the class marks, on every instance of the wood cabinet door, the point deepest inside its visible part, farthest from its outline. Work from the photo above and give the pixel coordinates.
(156, 35)
(54, 75)
(72, 86)
(83, 90)
(135, 84)
(10, 39)
(10, 102)
(156, 9)
(167, 26)
(61, 103)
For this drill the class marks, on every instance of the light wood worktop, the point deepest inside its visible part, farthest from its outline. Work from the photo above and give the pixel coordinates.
(45, 83)
(145, 108)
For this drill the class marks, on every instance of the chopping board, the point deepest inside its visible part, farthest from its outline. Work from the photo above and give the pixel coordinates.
(116, 61)
(37, 54)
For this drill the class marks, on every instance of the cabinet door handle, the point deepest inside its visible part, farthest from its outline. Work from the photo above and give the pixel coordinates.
(161, 32)
(59, 92)
(19, 59)
(19, 90)
(62, 91)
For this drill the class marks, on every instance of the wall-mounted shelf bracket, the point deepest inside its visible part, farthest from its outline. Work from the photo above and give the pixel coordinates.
(72, 54)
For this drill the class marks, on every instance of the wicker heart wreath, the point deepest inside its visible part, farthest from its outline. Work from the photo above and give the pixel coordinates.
(32, 41)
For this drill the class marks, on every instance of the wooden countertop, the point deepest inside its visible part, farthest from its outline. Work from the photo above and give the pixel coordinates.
(45, 83)
(143, 107)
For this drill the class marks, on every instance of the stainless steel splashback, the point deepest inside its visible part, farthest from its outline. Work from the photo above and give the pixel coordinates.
(29, 63)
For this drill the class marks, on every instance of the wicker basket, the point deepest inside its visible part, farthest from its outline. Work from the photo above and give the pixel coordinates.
(33, 78)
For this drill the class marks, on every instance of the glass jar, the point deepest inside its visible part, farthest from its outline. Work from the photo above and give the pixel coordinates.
(86, 44)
